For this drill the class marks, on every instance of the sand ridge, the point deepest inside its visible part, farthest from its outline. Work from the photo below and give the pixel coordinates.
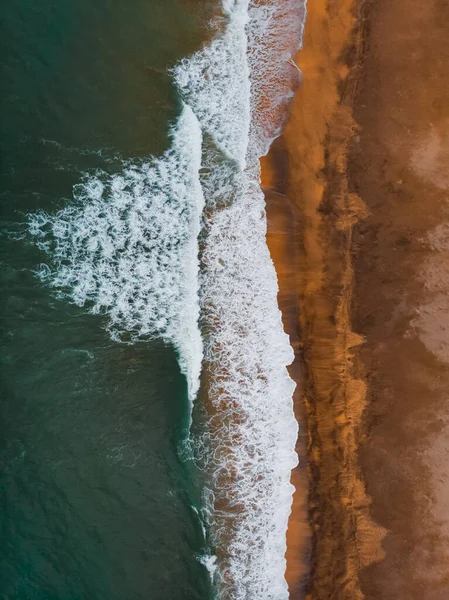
(308, 164)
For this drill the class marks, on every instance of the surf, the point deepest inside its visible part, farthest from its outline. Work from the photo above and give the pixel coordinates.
(126, 247)
(239, 87)
(175, 248)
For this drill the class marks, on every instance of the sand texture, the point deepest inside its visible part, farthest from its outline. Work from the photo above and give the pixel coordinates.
(357, 191)
(400, 167)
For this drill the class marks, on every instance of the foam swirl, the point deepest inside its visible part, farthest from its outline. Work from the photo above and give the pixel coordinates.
(247, 449)
(127, 247)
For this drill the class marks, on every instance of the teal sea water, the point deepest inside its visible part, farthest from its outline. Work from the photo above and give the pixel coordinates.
(148, 433)
(95, 500)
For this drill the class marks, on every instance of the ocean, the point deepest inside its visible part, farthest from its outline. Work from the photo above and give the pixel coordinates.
(147, 424)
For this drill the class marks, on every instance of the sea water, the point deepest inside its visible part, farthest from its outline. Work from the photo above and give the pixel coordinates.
(148, 226)
(96, 501)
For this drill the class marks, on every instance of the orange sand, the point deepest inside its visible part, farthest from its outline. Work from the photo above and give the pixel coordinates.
(308, 164)
(359, 230)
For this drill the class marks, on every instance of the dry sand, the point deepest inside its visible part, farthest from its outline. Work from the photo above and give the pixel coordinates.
(400, 167)
(359, 232)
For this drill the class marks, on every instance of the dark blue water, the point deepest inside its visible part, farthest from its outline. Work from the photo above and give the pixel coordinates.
(95, 501)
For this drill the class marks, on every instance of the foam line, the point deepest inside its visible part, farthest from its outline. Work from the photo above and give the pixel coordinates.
(239, 87)
(127, 247)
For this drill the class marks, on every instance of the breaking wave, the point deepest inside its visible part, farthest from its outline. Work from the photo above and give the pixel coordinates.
(239, 87)
(128, 247)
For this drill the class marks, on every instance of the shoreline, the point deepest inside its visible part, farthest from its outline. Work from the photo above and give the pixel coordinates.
(358, 229)
(333, 537)
(282, 241)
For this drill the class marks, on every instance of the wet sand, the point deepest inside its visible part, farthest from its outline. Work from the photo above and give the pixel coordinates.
(361, 176)
(309, 165)
(282, 239)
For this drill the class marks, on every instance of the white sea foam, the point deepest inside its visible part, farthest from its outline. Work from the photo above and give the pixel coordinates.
(247, 450)
(215, 80)
(127, 247)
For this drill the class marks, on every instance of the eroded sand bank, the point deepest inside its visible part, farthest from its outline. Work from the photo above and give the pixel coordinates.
(362, 168)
